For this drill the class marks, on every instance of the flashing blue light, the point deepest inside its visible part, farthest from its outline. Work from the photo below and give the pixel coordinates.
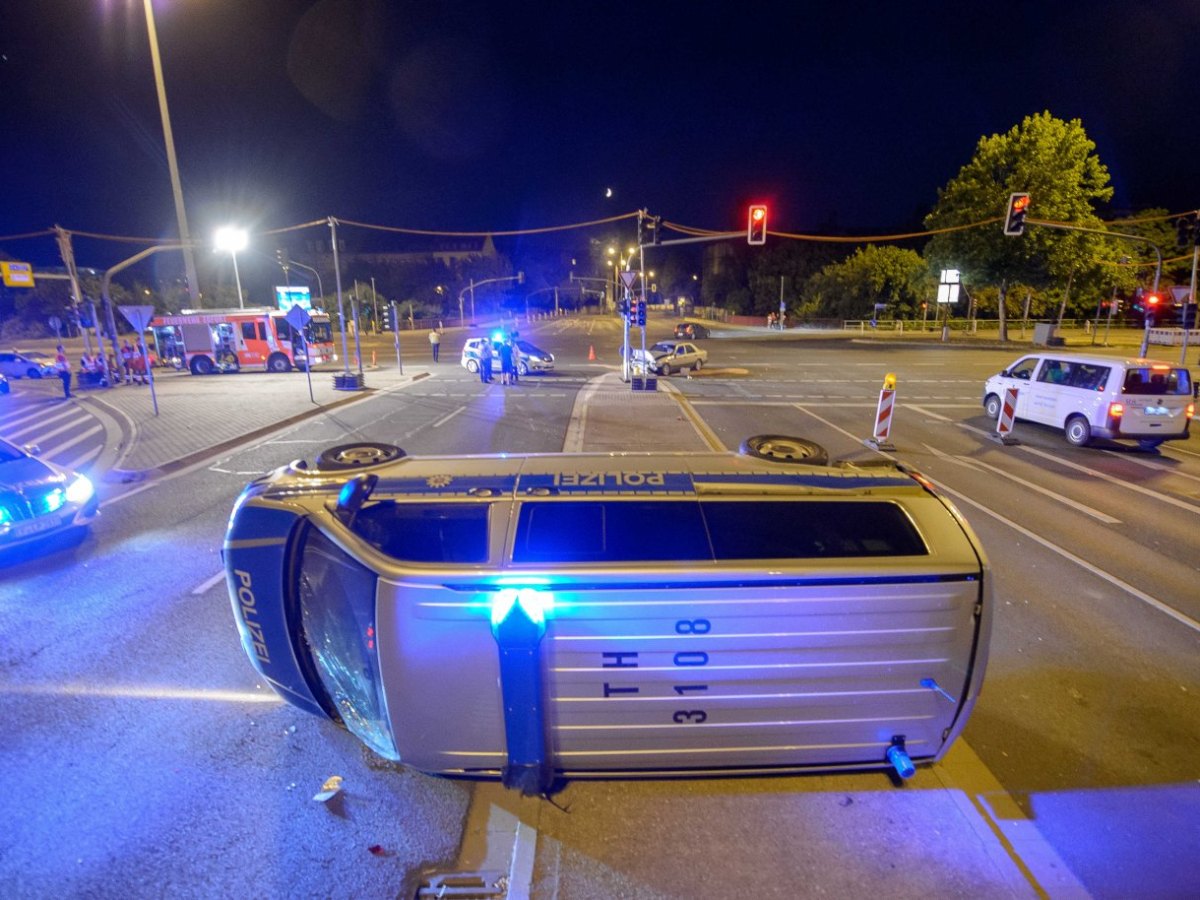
(55, 500)
(346, 493)
(6, 517)
(535, 604)
(900, 760)
(80, 490)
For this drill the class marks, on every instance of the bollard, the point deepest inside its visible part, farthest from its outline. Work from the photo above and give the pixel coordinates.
(880, 439)
(1004, 421)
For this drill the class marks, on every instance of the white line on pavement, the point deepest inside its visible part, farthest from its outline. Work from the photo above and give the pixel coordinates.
(979, 464)
(446, 418)
(204, 587)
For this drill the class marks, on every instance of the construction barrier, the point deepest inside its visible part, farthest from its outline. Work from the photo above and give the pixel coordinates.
(880, 439)
(1004, 421)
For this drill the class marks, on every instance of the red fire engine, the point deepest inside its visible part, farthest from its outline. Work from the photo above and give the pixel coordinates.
(229, 340)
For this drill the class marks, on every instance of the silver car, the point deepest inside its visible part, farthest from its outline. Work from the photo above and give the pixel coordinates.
(26, 364)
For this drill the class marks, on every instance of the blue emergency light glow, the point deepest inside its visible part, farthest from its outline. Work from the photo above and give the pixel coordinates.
(900, 760)
(54, 500)
(536, 604)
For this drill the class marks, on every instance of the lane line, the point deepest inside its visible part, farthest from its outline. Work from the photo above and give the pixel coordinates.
(59, 448)
(1095, 473)
(979, 464)
(1119, 583)
(204, 587)
(446, 418)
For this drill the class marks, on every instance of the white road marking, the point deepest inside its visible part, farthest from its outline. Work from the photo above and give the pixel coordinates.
(446, 418)
(207, 585)
(979, 464)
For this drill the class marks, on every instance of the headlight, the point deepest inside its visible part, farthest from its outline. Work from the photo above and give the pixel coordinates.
(80, 490)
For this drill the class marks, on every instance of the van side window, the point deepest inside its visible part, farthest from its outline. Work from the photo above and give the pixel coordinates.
(809, 530)
(1023, 369)
(689, 531)
(426, 532)
(1055, 371)
(583, 531)
(1090, 377)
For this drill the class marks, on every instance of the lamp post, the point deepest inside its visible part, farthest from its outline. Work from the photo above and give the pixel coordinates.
(189, 260)
(232, 240)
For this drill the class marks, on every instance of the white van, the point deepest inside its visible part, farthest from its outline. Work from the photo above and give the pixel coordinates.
(1096, 396)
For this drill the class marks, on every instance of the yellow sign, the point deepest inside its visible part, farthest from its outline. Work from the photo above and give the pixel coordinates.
(17, 274)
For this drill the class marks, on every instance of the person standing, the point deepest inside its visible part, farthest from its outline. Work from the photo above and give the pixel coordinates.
(435, 342)
(485, 360)
(506, 362)
(64, 371)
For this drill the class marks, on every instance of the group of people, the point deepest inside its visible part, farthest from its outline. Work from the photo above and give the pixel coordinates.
(98, 370)
(509, 359)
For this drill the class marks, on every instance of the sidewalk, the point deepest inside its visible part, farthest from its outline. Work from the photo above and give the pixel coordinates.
(198, 415)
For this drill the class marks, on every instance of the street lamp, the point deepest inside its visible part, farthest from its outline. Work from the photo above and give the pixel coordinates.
(232, 240)
(189, 262)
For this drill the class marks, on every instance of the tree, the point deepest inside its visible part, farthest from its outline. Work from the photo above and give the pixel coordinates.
(1055, 162)
(850, 289)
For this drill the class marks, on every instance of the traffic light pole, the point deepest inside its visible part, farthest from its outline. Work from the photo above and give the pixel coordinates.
(1188, 321)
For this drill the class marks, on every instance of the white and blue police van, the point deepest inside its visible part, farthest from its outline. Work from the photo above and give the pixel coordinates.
(542, 617)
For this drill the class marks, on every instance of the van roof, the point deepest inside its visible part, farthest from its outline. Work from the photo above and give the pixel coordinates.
(1128, 362)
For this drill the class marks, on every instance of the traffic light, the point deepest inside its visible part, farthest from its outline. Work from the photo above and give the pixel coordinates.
(649, 230)
(1151, 304)
(1014, 222)
(623, 306)
(391, 317)
(641, 312)
(756, 228)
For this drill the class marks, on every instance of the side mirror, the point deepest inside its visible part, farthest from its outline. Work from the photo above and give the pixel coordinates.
(1004, 373)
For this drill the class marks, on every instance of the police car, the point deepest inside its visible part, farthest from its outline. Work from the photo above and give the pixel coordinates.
(39, 499)
(545, 616)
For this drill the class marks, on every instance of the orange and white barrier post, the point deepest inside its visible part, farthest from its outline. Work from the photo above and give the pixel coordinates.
(1004, 421)
(881, 438)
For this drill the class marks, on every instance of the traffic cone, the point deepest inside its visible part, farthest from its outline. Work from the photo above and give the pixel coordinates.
(372, 359)
(591, 353)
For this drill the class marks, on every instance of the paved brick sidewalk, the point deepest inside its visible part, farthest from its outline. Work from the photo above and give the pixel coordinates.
(198, 414)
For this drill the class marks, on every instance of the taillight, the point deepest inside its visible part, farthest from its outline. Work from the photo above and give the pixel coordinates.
(1191, 410)
(1116, 410)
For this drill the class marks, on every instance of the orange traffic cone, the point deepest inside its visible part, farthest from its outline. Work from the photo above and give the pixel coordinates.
(372, 359)
(591, 353)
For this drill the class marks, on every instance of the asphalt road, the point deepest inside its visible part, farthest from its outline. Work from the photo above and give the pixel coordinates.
(141, 757)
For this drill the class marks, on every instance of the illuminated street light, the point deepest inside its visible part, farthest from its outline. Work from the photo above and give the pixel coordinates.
(231, 240)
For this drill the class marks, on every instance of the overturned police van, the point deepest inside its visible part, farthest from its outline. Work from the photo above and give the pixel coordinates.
(552, 616)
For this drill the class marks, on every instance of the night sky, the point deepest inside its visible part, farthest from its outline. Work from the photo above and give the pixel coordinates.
(495, 115)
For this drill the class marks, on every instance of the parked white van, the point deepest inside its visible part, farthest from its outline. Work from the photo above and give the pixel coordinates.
(1097, 396)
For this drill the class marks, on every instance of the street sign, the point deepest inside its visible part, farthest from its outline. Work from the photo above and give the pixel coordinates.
(629, 278)
(137, 316)
(298, 317)
(17, 274)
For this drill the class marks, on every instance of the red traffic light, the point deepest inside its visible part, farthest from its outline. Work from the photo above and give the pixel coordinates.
(1020, 202)
(1152, 299)
(756, 229)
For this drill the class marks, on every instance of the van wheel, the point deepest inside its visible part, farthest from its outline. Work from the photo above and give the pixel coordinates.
(357, 456)
(991, 405)
(201, 365)
(1078, 431)
(1149, 443)
(278, 363)
(784, 448)
(473, 366)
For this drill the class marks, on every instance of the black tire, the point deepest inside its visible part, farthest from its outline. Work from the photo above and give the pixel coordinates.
(1078, 432)
(664, 370)
(991, 405)
(345, 457)
(698, 365)
(278, 363)
(1149, 443)
(201, 365)
(785, 448)
(522, 368)
(473, 366)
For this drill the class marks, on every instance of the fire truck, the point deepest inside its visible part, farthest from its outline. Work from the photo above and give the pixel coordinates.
(230, 340)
